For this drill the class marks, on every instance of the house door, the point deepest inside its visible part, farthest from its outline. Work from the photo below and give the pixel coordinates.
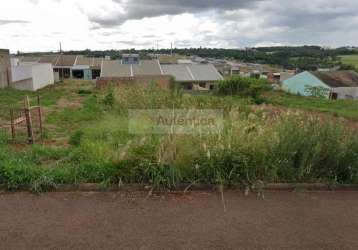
(334, 96)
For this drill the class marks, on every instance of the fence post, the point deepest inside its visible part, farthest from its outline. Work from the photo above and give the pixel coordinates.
(13, 135)
(30, 134)
(40, 116)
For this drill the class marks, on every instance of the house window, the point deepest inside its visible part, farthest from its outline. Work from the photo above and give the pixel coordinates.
(188, 86)
(202, 84)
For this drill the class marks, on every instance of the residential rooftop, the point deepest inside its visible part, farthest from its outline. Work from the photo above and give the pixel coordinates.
(335, 79)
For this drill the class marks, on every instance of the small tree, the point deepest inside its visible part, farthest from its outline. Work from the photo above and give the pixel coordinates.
(317, 91)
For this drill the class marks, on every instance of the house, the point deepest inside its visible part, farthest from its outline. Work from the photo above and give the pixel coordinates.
(63, 65)
(191, 76)
(279, 77)
(130, 58)
(5, 68)
(144, 72)
(339, 84)
(87, 68)
(194, 76)
(74, 66)
(31, 76)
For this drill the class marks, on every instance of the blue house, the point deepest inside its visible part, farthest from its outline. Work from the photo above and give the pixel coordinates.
(339, 84)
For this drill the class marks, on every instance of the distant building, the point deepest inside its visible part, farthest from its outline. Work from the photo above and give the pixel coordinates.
(5, 68)
(130, 59)
(190, 76)
(279, 77)
(194, 76)
(74, 66)
(339, 84)
(143, 73)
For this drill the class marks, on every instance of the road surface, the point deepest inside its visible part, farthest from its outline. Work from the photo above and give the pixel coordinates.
(283, 220)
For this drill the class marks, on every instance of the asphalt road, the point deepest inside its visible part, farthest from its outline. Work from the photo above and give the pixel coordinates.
(283, 220)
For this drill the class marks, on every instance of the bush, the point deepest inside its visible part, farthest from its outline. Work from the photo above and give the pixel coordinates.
(109, 99)
(243, 86)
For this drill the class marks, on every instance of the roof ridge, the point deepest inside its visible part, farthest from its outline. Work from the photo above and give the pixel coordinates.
(190, 72)
(132, 70)
(160, 67)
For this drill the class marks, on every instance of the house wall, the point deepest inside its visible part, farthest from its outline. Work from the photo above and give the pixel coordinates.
(5, 68)
(25, 84)
(32, 76)
(297, 84)
(162, 80)
(20, 73)
(42, 75)
(56, 76)
(346, 92)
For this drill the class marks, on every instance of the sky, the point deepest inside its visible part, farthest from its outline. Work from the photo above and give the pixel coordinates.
(40, 25)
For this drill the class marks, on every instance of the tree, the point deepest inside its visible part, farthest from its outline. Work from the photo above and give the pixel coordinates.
(317, 91)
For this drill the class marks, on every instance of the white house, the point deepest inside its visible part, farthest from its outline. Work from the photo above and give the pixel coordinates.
(31, 76)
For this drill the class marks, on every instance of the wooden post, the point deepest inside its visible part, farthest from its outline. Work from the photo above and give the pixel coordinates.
(30, 134)
(13, 135)
(40, 116)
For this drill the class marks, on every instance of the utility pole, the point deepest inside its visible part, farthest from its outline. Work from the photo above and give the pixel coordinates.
(61, 74)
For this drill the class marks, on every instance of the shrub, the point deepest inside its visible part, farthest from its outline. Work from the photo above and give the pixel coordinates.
(314, 91)
(243, 86)
(109, 99)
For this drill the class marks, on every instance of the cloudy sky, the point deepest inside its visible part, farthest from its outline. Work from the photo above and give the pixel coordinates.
(39, 25)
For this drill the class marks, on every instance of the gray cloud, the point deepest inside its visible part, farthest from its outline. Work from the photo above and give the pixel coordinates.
(139, 9)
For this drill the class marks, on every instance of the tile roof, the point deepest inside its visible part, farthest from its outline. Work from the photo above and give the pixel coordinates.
(49, 59)
(93, 62)
(179, 72)
(335, 79)
(84, 61)
(205, 72)
(116, 69)
(147, 67)
(192, 72)
(30, 59)
(66, 61)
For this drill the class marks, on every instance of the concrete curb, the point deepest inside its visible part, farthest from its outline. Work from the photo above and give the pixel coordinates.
(95, 187)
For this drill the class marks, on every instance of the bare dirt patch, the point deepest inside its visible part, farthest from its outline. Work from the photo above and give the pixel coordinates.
(74, 103)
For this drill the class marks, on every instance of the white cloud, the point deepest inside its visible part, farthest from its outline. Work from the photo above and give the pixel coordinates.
(39, 25)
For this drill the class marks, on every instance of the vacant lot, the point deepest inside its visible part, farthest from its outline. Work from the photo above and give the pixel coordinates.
(87, 140)
(324, 220)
